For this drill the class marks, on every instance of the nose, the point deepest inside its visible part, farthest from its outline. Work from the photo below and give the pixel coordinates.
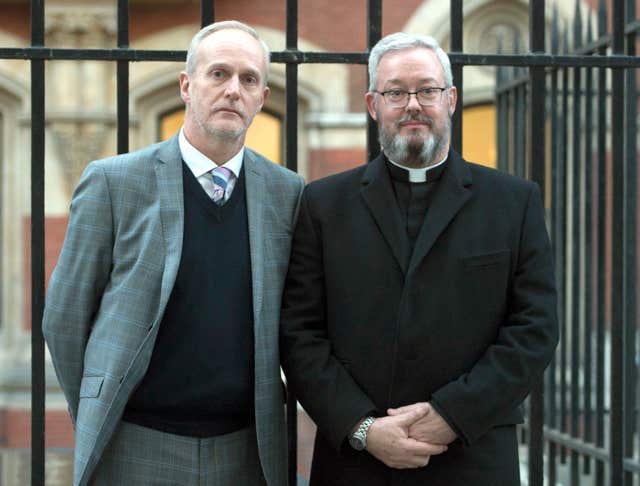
(233, 87)
(412, 104)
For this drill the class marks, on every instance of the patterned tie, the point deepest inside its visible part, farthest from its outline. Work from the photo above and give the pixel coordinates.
(221, 178)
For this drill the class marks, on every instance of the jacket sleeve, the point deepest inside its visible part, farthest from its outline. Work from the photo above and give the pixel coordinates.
(500, 380)
(321, 383)
(78, 281)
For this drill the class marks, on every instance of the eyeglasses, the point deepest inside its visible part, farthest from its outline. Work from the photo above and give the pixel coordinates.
(399, 98)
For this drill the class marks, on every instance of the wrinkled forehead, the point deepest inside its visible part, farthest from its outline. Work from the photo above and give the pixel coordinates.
(413, 64)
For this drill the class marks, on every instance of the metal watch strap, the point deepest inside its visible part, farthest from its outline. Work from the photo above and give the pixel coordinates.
(360, 435)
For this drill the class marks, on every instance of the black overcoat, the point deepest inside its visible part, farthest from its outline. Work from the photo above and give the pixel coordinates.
(466, 321)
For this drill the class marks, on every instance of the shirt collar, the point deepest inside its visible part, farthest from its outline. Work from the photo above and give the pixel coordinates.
(420, 174)
(200, 164)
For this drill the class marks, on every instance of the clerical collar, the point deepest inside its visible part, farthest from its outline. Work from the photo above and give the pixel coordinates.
(423, 174)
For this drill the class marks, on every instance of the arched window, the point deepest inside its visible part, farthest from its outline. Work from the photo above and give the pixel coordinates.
(264, 134)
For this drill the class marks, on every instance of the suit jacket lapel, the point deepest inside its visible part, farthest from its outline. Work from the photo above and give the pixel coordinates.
(169, 179)
(378, 195)
(255, 195)
(451, 195)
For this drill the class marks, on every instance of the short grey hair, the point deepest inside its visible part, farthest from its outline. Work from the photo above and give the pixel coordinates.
(401, 41)
(217, 26)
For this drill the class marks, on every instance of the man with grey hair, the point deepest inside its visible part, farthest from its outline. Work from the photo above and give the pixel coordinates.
(162, 313)
(419, 305)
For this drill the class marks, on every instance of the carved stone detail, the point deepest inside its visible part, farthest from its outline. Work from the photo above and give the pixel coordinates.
(77, 144)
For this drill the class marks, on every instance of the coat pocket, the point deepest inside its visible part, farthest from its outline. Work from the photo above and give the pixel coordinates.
(91, 386)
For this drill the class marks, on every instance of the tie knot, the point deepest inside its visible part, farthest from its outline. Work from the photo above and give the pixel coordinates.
(221, 178)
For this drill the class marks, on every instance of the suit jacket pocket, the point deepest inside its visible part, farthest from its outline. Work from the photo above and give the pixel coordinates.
(91, 386)
(486, 260)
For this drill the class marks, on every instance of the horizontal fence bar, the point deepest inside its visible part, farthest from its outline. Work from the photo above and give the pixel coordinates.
(300, 57)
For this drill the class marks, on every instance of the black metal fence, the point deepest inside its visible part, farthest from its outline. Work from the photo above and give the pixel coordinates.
(588, 166)
(585, 98)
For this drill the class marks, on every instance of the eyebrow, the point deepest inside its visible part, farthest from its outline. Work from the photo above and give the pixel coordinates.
(228, 67)
(402, 82)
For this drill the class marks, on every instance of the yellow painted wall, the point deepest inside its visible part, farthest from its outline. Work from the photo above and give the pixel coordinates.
(479, 135)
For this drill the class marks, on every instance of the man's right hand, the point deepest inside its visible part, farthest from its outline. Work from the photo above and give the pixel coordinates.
(388, 441)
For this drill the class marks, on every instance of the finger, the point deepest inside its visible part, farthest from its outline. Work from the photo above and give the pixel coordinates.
(418, 448)
(416, 412)
(415, 462)
(405, 408)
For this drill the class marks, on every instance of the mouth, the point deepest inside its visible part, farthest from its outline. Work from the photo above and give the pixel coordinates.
(415, 123)
(229, 110)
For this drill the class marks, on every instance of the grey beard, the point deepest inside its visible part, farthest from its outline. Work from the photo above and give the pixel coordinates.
(415, 155)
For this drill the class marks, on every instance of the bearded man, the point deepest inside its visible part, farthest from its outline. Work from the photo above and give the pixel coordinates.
(419, 305)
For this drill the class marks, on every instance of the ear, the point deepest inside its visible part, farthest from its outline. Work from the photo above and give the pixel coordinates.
(184, 87)
(453, 99)
(265, 95)
(370, 99)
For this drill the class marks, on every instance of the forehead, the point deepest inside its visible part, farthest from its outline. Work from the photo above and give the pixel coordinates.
(231, 46)
(417, 64)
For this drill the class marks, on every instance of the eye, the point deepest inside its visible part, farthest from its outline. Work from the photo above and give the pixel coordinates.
(395, 93)
(250, 80)
(218, 74)
(429, 91)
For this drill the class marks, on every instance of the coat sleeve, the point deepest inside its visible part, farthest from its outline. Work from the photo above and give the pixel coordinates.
(495, 386)
(321, 383)
(78, 281)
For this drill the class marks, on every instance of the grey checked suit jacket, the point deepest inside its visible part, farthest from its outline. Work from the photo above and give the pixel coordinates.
(115, 273)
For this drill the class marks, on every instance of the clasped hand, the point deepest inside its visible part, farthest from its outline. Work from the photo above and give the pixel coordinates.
(408, 436)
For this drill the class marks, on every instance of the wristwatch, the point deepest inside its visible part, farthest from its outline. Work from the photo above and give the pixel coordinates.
(358, 440)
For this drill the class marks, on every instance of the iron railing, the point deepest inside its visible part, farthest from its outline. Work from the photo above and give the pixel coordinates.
(590, 419)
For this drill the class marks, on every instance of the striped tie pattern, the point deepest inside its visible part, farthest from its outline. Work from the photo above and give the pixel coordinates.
(221, 178)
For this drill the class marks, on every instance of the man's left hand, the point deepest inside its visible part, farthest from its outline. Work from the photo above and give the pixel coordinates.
(431, 428)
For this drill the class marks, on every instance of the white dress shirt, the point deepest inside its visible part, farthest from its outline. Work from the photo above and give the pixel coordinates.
(201, 166)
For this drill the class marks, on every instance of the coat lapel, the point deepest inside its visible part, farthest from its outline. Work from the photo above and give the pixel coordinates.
(169, 178)
(255, 194)
(378, 195)
(451, 195)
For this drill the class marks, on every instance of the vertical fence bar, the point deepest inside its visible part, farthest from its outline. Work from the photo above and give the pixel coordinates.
(122, 74)
(291, 117)
(518, 110)
(603, 215)
(588, 251)
(456, 19)
(630, 224)
(37, 248)
(291, 157)
(374, 34)
(557, 232)
(566, 203)
(576, 251)
(503, 125)
(537, 155)
(618, 303)
(207, 12)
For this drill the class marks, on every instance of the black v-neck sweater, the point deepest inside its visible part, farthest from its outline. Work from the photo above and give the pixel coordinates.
(200, 380)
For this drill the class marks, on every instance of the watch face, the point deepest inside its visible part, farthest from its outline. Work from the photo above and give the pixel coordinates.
(356, 443)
